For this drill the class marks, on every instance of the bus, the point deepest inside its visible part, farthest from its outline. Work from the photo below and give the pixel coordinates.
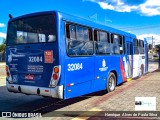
(63, 56)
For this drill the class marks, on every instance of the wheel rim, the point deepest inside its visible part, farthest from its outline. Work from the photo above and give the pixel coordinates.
(111, 83)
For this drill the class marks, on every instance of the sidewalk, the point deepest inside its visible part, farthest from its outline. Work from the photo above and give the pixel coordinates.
(2, 74)
(124, 99)
(2, 63)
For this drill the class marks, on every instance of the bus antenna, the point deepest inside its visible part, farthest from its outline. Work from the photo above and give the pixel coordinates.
(10, 16)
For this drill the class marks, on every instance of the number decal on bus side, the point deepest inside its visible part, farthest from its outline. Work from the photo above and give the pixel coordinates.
(76, 66)
(35, 59)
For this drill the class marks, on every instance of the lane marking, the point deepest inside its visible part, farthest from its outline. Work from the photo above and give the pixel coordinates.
(96, 110)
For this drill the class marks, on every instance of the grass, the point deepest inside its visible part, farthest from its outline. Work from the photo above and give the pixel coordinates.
(154, 59)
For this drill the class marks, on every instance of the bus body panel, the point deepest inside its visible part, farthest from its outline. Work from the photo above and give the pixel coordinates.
(78, 72)
(102, 67)
(28, 60)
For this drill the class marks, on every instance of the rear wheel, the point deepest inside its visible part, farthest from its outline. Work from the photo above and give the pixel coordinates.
(111, 82)
(141, 71)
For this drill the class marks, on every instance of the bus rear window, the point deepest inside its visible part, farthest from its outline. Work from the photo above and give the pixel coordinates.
(37, 29)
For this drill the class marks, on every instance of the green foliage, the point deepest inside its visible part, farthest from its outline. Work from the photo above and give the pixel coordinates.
(3, 46)
(150, 46)
(157, 47)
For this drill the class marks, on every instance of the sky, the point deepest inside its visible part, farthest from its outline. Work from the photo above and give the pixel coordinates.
(140, 17)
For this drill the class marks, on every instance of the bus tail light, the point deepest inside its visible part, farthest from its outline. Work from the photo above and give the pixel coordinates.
(9, 78)
(55, 76)
(6, 68)
(56, 70)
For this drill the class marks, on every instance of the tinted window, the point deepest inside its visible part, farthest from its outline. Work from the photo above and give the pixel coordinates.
(136, 46)
(102, 42)
(32, 30)
(141, 46)
(129, 49)
(72, 30)
(79, 40)
(115, 40)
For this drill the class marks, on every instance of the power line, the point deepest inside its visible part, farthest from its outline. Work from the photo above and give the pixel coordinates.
(140, 28)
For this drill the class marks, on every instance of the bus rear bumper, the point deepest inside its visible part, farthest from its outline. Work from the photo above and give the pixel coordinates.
(56, 92)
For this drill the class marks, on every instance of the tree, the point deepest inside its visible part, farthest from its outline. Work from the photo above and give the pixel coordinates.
(150, 46)
(4, 41)
(157, 47)
(3, 46)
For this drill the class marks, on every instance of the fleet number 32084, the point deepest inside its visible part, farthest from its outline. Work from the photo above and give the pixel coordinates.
(76, 66)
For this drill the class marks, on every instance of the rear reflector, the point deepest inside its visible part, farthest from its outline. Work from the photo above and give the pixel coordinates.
(70, 84)
(46, 90)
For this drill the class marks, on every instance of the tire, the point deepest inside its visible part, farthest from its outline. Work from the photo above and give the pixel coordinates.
(141, 71)
(111, 82)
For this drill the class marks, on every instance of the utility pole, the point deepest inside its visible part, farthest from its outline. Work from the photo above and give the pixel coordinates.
(152, 47)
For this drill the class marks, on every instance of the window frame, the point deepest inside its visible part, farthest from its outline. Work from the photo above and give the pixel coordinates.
(90, 38)
(97, 31)
(141, 47)
(136, 46)
(120, 37)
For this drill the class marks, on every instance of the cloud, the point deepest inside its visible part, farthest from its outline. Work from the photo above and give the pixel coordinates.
(143, 7)
(2, 35)
(150, 8)
(2, 25)
(156, 38)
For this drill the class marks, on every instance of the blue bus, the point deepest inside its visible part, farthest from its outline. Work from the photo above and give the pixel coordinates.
(63, 56)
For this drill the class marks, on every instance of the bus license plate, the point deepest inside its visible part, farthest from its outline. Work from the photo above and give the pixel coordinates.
(29, 77)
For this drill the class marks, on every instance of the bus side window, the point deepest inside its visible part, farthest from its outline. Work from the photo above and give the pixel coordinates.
(71, 39)
(121, 44)
(72, 32)
(141, 46)
(136, 46)
(115, 44)
(79, 40)
(102, 44)
(84, 35)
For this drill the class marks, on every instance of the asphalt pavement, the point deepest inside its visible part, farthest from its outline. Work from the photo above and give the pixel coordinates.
(122, 99)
